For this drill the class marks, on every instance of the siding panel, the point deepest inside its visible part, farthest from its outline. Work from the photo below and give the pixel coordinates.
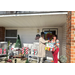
(64, 41)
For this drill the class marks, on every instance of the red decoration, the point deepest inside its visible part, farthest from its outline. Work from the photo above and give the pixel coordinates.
(48, 36)
(34, 50)
(26, 50)
(9, 60)
(0, 50)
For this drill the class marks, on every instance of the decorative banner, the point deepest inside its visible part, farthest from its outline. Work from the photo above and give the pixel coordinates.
(48, 36)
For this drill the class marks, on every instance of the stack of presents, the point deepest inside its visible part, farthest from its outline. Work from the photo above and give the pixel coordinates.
(52, 46)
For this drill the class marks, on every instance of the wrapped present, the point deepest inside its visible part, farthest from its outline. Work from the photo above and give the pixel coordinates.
(49, 46)
(34, 52)
(25, 50)
(52, 46)
(2, 51)
(49, 49)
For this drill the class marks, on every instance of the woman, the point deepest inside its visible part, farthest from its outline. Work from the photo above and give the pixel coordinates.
(41, 52)
(55, 52)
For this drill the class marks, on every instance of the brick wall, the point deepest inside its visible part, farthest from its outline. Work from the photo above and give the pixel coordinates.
(70, 40)
(2, 33)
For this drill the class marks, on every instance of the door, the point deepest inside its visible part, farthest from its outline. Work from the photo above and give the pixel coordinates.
(49, 32)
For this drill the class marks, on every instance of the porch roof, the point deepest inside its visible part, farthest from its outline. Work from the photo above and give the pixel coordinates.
(38, 20)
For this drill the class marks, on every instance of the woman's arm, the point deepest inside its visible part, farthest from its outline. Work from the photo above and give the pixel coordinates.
(43, 41)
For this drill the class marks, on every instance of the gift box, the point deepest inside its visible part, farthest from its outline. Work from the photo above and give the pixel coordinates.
(2, 51)
(49, 46)
(34, 52)
(25, 50)
(49, 49)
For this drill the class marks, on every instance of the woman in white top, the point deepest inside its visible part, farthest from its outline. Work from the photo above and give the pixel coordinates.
(42, 43)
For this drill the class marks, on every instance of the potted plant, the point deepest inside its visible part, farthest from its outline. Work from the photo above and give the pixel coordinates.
(62, 59)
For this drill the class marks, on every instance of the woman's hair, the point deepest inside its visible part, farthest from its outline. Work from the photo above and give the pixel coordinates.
(55, 36)
(42, 33)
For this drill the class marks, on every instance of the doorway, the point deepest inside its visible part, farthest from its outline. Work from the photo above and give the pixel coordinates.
(49, 32)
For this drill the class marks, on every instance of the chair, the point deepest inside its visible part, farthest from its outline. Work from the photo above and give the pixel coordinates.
(13, 51)
(29, 45)
(25, 44)
(3, 49)
(31, 56)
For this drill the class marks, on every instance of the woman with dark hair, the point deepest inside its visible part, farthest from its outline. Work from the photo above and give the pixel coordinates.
(55, 41)
(41, 52)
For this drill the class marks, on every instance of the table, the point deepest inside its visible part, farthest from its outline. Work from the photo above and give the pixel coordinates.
(17, 56)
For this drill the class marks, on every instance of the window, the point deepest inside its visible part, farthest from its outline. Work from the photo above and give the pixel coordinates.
(11, 35)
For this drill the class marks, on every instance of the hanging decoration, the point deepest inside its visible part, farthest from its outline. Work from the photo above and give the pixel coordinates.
(48, 36)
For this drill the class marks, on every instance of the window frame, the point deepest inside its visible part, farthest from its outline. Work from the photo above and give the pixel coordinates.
(10, 37)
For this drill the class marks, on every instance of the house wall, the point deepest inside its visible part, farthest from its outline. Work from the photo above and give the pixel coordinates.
(64, 40)
(70, 37)
(2, 33)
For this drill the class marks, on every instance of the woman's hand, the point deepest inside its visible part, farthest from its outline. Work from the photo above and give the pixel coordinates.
(48, 40)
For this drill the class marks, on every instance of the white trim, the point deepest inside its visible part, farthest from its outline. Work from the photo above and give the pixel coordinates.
(34, 14)
(3, 42)
(12, 28)
(11, 37)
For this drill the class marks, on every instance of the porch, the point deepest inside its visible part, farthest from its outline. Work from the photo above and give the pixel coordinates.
(26, 26)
